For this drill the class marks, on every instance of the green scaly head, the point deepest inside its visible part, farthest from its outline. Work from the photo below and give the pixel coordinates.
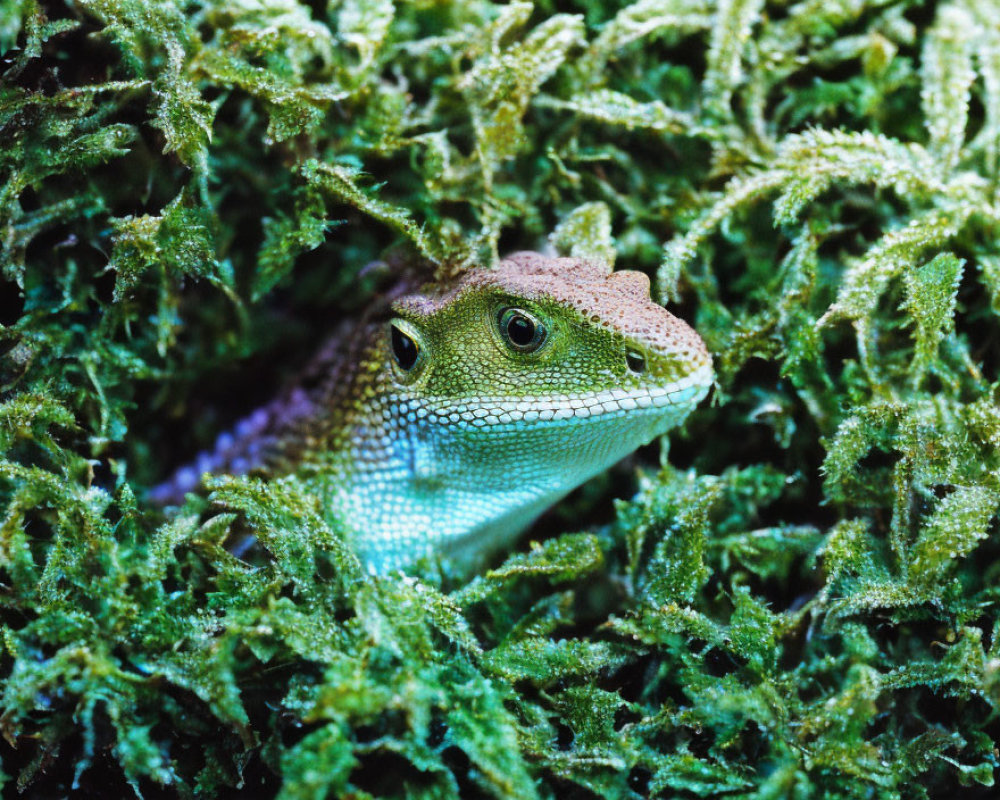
(501, 392)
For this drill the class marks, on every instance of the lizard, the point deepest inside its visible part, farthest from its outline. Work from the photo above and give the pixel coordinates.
(453, 416)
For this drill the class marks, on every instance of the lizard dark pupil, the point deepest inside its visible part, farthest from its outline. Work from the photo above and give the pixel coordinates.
(404, 349)
(521, 331)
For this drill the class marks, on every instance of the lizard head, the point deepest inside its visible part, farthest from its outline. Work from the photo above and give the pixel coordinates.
(492, 396)
(538, 339)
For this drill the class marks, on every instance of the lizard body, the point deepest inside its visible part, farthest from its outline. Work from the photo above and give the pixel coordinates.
(450, 419)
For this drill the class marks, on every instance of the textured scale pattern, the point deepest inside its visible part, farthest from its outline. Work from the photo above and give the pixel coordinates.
(459, 451)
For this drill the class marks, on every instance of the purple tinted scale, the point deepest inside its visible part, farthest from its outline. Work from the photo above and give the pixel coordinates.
(204, 463)
(239, 465)
(186, 479)
(163, 493)
(243, 428)
(258, 420)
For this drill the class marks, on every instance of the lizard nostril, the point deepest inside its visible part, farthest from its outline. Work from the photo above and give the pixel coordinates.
(636, 361)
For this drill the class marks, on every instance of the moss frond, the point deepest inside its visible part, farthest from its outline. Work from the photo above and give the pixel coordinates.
(192, 194)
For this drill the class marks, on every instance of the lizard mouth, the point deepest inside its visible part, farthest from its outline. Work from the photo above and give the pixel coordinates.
(486, 412)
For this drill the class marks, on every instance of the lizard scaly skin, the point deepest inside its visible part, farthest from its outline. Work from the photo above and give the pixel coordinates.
(450, 420)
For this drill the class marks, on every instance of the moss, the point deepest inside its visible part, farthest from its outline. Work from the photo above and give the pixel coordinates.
(802, 606)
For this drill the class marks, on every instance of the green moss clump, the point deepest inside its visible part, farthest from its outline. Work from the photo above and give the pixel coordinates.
(803, 606)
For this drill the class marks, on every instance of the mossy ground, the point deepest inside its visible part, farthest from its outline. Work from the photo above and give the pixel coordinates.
(801, 604)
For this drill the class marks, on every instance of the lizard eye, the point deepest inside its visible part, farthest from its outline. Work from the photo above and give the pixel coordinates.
(520, 330)
(636, 361)
(404, 347)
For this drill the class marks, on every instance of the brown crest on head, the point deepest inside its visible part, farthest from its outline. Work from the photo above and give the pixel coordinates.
(615, 301)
